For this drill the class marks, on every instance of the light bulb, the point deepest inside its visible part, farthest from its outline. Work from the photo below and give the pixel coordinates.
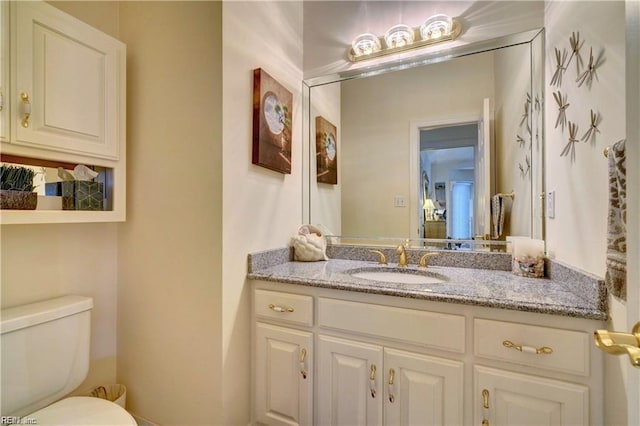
(436, 26)
(365, 44)
(398, 36)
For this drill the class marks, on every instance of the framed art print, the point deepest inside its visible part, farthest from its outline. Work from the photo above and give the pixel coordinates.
(272, 111)
(326, 152)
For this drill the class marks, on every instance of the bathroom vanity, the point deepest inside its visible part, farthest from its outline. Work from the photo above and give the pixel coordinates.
(480, 347)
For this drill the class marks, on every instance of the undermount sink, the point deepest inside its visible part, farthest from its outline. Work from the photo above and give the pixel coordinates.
(398, 275)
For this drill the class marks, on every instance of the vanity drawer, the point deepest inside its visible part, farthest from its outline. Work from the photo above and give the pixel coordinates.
(436, 330)
(293, 308)
(569, 349)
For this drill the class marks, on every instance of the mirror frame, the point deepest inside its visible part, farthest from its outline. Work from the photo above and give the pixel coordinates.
(432, 57)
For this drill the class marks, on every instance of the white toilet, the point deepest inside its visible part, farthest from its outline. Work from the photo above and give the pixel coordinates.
(45, 356)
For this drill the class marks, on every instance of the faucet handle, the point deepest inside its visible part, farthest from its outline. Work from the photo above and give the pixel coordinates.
(383, 258)
(423, 259)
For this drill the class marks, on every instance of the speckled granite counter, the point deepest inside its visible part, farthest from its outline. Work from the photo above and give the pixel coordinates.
(566, 292)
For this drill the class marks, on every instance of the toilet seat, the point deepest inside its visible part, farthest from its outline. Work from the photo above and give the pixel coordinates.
(83, 410)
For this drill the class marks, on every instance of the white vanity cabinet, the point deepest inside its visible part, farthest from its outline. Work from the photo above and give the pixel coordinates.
(284, 359)
(508, 398)
(366, 384)
(284, 380)
(350, 376)
(385, 360)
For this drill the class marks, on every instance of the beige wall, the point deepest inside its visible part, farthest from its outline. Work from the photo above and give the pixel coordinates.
(169, 292)
(577, 235)
(261, 208)
(45, 261)
(376, 117)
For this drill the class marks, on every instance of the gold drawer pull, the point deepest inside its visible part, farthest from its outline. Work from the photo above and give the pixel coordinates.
(278, 308)
(545, 350)
(392, 374)
(26, 109)
(372, 379)
(485, 407)
(303, 357)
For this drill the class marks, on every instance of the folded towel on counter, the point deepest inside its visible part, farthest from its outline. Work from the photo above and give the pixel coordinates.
(616, 275)
(309, 245)
(497, 215)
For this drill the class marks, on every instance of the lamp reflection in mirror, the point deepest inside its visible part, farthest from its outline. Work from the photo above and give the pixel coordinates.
(430, 207)
(436, 26)
(436, 29)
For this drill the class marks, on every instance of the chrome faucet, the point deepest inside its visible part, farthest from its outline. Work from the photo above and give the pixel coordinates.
(402, 252)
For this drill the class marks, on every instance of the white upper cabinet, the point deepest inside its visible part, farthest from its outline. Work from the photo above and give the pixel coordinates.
(68, 89)
(4, 71)
(63, 97)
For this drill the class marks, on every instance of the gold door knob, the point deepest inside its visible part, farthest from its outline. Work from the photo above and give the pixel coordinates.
(616, 343)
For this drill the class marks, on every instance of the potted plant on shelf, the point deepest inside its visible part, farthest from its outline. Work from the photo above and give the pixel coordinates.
(16, 188)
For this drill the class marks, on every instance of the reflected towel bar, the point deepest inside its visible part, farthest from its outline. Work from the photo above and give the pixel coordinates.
(509, 195)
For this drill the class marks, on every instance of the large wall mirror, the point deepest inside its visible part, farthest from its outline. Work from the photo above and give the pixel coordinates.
(423, 148)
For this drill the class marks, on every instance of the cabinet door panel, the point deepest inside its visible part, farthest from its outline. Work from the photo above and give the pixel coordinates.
(425, 390)
(347, 395)
(528, 400)
(74, 78)
(284, 396)
(4, 71)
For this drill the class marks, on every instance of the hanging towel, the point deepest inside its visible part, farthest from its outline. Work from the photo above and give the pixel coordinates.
(497, 214)
(616, 276)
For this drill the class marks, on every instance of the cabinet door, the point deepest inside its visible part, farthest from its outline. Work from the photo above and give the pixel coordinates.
(506, 398)
(69, 83)
(422, 390)
(349, 382)
(4, 71)
(284, 376)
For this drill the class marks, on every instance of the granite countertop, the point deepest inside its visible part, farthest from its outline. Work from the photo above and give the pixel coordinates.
(570, 296)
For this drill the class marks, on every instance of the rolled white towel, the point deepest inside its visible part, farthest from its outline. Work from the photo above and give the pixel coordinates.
(309, 245)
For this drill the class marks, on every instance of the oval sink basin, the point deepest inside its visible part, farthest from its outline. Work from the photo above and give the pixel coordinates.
(396, 276)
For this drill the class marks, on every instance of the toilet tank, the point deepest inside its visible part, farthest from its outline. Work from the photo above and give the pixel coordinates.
(45, 352)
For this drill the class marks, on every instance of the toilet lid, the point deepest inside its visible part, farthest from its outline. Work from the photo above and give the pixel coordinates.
(83, 410)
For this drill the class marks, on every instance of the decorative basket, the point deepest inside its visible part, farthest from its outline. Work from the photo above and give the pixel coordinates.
(18, 200)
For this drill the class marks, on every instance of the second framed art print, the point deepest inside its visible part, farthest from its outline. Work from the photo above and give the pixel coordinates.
(326, 151)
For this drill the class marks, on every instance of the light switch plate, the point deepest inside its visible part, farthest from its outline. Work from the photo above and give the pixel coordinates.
(551, 204)
(399, 201)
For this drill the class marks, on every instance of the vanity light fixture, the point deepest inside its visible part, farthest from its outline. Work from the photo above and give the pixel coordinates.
(436, 29)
